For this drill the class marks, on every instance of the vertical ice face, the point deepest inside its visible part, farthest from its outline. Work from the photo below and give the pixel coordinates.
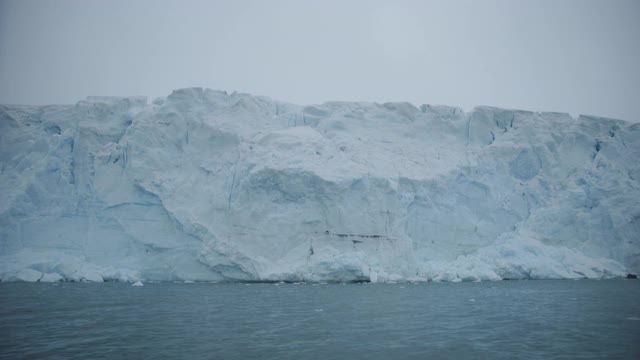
(205, 185)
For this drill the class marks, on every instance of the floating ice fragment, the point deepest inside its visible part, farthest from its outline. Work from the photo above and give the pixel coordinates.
(28, 275)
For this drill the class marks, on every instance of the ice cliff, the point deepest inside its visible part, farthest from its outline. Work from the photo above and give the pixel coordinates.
(205, 185)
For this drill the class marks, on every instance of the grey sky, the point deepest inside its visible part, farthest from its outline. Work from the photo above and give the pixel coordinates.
(570, 56)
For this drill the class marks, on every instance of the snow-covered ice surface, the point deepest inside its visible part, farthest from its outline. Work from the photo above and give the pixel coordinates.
(209, 186)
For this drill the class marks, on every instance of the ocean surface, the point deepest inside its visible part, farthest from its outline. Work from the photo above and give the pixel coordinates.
(489, 320)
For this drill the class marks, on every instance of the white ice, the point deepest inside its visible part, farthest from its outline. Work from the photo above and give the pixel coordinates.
(210, 186)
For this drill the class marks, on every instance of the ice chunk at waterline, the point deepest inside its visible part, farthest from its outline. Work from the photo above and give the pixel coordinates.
(54, 277)
(137, 283)
(210, 186)
(28, 275)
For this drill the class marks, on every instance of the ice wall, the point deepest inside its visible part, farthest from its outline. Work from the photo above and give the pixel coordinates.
(205, 185)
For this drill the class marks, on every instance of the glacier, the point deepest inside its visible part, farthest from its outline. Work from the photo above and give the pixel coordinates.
(208, 186)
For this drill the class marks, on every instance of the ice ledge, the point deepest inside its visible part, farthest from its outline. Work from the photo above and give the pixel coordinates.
(212, 95)
(513, 257)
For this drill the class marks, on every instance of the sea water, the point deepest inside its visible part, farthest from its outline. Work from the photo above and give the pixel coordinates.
(506, 319)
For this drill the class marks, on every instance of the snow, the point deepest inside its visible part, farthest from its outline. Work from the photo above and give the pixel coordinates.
(209, 186)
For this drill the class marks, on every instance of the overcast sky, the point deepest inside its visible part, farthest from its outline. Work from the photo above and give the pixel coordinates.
(581, 57)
